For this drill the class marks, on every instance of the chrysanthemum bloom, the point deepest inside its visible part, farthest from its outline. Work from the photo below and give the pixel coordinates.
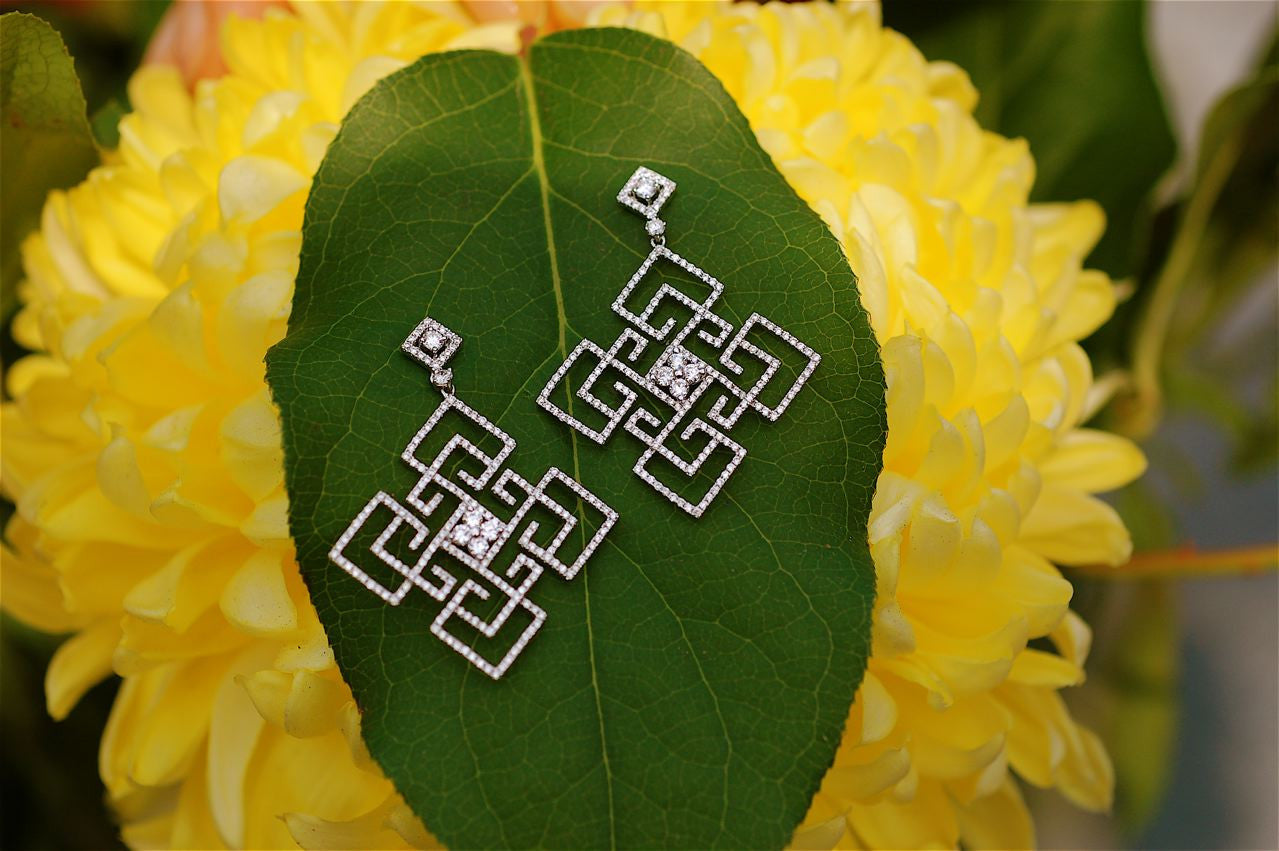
(144, 453)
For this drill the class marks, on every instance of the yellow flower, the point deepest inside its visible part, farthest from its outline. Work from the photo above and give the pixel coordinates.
(144, 454)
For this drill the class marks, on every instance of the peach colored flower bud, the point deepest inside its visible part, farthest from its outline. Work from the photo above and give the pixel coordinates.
(489, 11)
(568, 14)
(187, 36)
(543, 15)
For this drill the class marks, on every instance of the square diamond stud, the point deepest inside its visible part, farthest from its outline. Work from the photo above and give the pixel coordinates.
(432, 345)
(646, 192)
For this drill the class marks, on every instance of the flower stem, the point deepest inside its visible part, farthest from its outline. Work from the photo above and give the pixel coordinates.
(1152, 327)
(1188, 562)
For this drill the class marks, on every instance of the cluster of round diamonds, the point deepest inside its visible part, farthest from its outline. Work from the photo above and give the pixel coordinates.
(476, 530)
(679, 374)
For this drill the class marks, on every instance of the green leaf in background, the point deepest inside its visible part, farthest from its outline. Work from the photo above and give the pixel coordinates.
(106, 123)
(690, 686)
(1223, 248)
(1075, 80)
(1132, 699)
(1238, 242)
(45, 141)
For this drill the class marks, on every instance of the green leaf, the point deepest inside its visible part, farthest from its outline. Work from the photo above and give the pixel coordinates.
(1223, 244)
(45, 142)
(1237, 242)
(1136, 695)
(690, 686)
(106, 123)
(1075, 80)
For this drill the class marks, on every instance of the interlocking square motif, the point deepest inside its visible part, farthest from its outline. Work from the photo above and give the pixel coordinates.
(457, 545)
(678, 381)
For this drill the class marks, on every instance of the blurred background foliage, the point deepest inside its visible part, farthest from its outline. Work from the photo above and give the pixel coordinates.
(1187, 367)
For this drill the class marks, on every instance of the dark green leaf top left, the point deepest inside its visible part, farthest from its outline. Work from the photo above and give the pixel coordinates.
(45, 141)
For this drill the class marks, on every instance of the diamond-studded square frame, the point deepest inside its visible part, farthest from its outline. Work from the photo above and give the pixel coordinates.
(457, 607)
(430, 471)
(400, 516)
(657, 445)
(647, 209)
(415, 348)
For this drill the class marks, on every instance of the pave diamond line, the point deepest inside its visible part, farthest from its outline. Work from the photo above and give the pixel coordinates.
(455, 606)
(678, 380)
(456, 565)
(401, 517)
(702, 310)
(657, 446)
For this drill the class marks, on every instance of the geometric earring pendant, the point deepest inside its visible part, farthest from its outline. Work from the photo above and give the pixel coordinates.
(472, 534)
(669, 397)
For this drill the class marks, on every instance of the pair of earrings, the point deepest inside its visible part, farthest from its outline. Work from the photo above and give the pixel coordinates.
(680, 404)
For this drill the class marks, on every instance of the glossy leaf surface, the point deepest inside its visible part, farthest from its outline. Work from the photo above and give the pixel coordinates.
(690, 686)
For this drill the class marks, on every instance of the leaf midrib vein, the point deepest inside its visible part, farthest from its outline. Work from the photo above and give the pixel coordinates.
(544, 186)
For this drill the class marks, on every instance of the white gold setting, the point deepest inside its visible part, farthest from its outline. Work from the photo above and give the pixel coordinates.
(459, 546)
(646, 192)
(433, 345)
(679, 381)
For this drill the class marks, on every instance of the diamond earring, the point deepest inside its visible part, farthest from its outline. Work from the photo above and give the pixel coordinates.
(692, 399)
(470, 531)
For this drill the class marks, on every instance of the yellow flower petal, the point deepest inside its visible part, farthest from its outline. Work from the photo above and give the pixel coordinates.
(187, 586)
(124, 727)
(879, 712)
(316, 833)
(1037, 588)
(998, 820)
(193, 825)
(313, 706)
(251, 446)
(308, 649)
(234, 729)
(121, 477)
(144, 645)
(1036, 668)
(80, 663)
(252, 186)
(148, 371)
(1092, 461)
(1073, 638)
(268, 525)
(349, 724)
(820, 836)
(28, 586)
(256, 599)
(863, 781)
(1088, 778)
(269, 691)
(175, 728)
(927, 821)
(1071, 527)
(251, 318)
(303, 704)
(306, 776)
